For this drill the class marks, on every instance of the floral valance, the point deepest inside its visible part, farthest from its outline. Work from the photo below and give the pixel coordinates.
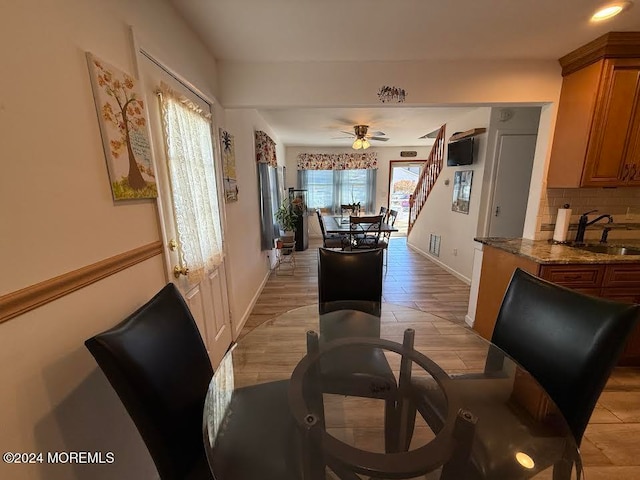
(265, 149)
(337, 161)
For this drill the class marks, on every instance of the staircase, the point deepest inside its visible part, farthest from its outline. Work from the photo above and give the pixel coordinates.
(427, 180)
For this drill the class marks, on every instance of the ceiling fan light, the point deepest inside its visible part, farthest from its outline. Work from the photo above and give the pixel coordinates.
(610, 10)
(365, 143)
(358, 144)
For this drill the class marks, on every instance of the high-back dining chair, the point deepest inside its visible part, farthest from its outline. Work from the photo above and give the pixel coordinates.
(386, 236)
(158, 365)
(331, 240)
(568, 341)
(365, 231)
(350, 280)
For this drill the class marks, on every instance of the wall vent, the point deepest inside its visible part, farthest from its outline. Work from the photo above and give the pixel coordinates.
(434, 245)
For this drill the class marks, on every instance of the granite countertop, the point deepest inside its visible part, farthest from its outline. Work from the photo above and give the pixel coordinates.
(546, 252)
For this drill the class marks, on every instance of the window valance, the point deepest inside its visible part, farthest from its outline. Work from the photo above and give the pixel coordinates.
(265, 149)
(337, 161)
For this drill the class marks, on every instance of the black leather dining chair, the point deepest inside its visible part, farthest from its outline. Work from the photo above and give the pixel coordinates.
(569, 342)
(353, 281)
(158, 365)
(350, 280)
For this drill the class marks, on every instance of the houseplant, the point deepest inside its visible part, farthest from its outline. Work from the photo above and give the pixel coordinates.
(287, 216)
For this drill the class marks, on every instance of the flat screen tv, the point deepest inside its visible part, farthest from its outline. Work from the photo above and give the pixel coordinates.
(460, 152)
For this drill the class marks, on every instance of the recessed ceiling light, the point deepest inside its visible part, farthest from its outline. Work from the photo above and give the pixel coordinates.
(610, 10)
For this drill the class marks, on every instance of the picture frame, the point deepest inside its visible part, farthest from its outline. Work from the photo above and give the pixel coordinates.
(462, 191)
(123, 122)
(227, 149)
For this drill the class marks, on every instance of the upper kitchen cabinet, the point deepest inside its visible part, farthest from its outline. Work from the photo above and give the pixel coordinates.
(597, 136)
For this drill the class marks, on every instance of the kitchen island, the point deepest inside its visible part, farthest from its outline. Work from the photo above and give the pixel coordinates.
(600, 274)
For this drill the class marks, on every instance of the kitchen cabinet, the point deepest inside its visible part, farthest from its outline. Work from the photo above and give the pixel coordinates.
(620, 282)
(597, 136)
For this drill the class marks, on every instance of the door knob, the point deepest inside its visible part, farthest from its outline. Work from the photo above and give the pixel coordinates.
(177, 271)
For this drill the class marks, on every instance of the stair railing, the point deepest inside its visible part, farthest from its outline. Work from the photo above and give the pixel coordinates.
(428, 176)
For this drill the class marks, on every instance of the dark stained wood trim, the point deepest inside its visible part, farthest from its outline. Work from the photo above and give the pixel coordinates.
(24, 300)
(609, 45)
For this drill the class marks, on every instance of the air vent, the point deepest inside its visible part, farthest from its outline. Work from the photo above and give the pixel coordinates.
(408, 153)
(434, 245)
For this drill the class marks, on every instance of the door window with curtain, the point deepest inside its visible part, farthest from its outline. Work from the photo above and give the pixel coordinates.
(332, 180)
(190, 157)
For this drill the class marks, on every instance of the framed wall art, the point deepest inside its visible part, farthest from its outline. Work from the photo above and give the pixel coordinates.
(227, 147)
(123, 121)
(462, 191)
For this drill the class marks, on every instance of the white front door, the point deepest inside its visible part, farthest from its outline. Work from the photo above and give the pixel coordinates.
(207, 298)
(514, 158)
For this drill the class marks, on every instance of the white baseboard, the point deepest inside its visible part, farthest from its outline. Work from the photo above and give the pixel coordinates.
(468, 320)
(252, 303)
(437, 261)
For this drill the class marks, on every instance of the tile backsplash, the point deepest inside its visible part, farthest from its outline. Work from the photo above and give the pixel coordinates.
(622, 203)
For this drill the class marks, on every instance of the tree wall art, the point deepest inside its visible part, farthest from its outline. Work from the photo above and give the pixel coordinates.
(123, 120)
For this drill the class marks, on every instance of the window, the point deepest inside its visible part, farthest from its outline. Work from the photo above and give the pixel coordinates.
(190, 162)
(331, 188)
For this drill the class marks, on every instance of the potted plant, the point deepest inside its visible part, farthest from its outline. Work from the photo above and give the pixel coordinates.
(287, 216)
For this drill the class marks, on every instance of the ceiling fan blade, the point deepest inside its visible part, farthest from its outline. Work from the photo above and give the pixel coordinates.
(377, 134)
(348, 133)
(380, 139)
(339, 138)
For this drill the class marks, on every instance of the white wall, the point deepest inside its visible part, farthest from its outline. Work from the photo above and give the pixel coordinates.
(456, 230)
(249, 267)
(310, 84)
(524, 120)
(57, 215)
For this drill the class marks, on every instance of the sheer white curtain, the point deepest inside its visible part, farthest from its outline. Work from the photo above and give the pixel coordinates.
(193, 184)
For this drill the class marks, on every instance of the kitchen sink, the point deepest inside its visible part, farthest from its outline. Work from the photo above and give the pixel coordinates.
(609, 249)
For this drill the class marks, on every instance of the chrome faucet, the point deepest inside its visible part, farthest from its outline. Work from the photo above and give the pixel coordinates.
(584, 222)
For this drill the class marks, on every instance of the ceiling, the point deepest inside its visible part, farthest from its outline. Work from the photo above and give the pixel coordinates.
(388, 30)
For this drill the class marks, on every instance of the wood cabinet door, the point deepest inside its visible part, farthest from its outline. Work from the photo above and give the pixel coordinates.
(611, 132)
(631, 353)
(631, 168)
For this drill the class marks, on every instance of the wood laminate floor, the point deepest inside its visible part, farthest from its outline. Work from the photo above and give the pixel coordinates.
(612, 440)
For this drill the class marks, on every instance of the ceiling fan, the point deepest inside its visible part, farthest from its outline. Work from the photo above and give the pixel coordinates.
(362, 137)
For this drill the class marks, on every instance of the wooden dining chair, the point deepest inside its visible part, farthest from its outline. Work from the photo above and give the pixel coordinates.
(568, 341)
(158, 365)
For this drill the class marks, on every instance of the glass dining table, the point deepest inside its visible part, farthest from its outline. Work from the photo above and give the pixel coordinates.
(461, 408)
